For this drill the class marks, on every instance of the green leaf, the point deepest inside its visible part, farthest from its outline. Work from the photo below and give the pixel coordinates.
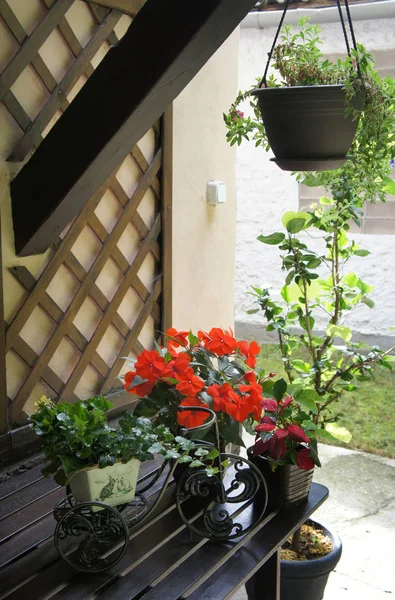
(368, 301)
(273, 239)
(324, 434)
(279, 389)
(326, 201)
(196, 463)
(295, 225)
(230, 432)
(362, 252)
(308, 399)
(351, 279)
(340, 433)
(337, 331)
(389, 186)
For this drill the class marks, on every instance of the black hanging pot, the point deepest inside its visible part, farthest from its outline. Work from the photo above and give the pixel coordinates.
(307, 127)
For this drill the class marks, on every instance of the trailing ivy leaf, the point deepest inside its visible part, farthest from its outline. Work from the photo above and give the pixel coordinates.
(185, 459)
(274, 239)
(201, 452)
(196, 463)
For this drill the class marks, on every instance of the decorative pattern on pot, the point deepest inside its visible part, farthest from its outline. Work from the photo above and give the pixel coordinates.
(112, 485)
(287, 486)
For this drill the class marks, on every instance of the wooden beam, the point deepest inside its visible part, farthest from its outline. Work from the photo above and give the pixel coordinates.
(167, 217)
(129, 7)
(3, 372)
(165, 46)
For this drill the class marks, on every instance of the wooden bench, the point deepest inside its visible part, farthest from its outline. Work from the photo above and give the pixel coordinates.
(164, 559)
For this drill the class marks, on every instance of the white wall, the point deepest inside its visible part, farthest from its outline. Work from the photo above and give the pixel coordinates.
(264, 193)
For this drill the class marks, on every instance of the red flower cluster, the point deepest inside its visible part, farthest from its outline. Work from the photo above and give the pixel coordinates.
(171, 367)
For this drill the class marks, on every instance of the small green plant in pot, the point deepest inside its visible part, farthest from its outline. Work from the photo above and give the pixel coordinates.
(356, 106)
(100, 462)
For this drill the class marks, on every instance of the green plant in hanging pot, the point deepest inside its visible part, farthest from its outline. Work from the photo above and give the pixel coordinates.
(315, 111)
(100, 462)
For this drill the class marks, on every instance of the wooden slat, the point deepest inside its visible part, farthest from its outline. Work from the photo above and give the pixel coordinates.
(18, 482)
(139, 93)
(17, 111)
(144, 164)
(25, 497)
(52, 267)
(48, 375)
(131, 338)
(23, 275)
(110, 312)
(119, 259)
(76, 303)
(32, 44)
(129, 7)
(235, 570)
(20, 35)
(33, 134)
(3, 372)
(167, 213)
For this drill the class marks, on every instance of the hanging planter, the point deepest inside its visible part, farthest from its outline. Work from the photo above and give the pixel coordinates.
(308, 127)
(310, 116)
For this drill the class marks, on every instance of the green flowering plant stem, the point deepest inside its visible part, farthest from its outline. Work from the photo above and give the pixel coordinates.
(319, 289)
(298, 61)
(77, 436)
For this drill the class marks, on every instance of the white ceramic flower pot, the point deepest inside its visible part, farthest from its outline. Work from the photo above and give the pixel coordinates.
(112, 485)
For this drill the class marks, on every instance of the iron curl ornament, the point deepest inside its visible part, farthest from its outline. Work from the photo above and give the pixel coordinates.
(93, 536)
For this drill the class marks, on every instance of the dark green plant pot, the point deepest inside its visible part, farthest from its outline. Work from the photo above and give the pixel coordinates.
(288, 486)
(307, 127)
(302, 580)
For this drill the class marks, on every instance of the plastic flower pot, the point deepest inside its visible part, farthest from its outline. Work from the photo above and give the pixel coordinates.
(112, 485)
(307, 127)
(303, 579)
(288, 486)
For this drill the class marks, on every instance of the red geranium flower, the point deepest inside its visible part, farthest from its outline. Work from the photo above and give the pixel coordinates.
(179, 366)
(304, 460)
(180, 338)
(219, 342)
(250, 352)
(190, 384)
(151, 365)
(141, 389)
(192, 418)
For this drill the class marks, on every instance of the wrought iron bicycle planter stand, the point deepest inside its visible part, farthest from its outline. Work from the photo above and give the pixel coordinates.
(93, 536)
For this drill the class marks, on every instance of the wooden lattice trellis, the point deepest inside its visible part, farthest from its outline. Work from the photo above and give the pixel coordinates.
(98, 294)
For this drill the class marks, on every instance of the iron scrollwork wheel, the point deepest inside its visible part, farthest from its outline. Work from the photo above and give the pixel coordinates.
(91, 536)
(227, 499)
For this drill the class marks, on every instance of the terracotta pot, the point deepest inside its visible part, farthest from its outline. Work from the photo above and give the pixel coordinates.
(287, 486)
(307, 126)
(112, 485)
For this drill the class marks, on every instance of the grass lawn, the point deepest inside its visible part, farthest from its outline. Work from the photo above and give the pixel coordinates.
(369, 413)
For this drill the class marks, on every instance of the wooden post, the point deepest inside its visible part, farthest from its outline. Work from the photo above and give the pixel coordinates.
(167, 218)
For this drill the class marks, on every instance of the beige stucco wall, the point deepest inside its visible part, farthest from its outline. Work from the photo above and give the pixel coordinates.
(204, 235)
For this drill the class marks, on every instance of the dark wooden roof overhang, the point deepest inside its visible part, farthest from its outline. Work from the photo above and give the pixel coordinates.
(166, 45)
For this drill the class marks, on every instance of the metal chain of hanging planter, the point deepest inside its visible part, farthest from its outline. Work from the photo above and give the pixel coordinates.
(308, 127)
(93, 536)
